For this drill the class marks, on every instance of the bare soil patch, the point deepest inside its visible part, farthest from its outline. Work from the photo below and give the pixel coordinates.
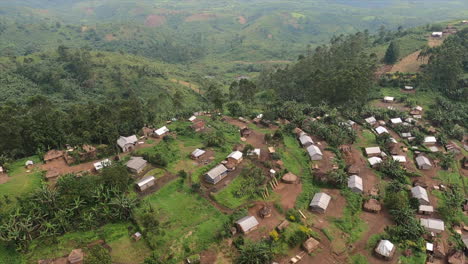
(4, 178)
(398, 106)
(289, 194)
(208, 257)
(155, 20)
(434, 42)
(200, 17)
(410, 63)
(265, 224)
(110, 37)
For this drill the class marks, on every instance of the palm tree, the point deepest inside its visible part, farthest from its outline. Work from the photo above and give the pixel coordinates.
(254, 253)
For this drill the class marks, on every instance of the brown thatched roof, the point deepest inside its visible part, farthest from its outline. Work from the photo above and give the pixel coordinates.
(53, 154)
(289, 178)
(372, 206)
(310, 245)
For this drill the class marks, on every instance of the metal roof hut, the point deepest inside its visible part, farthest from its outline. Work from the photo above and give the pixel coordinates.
(355, 184)
(420, 193)
(320, 202)
(372, 206)
(306, 140)
(371, 120)
(235, 157)
(373, 151)
(137, 236)
(216, 174)
(289, 178)
(423, 163)
(146, 183)
(196, 154)
(425, 209)
(385, 249)
(430, 140)
(433, 225)
(136, 164)
(314, 153)
(388, 99)
(310, 245)
(381, 130)
(127, 143)
(29, 164)
(161, 131)
(374, 161)
(247, 224)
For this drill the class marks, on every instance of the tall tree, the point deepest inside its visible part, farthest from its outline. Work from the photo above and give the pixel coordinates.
(393, 53)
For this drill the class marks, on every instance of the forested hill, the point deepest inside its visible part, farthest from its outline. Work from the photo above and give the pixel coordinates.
(187, 31)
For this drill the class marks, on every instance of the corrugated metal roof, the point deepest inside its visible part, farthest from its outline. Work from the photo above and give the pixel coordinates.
(355, 182)
(419, 192)
(145, 181)
(304, 139)
(314, 150)
(433, 225)
(385, 248)
(237, 155)
(373, 150)
(161, 131)
(198, 152)
(247, 223)
(136, 163)
(216, 171)
(320, 200)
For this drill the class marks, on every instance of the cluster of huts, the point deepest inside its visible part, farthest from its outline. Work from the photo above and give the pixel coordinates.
(219, 172)
(306, 142)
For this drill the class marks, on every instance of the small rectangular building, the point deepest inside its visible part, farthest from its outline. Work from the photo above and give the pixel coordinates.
(433, 225)
(373, 151)
(160, 132)
(430, 140)
(388, 99)
(437, 34)
(235, 157)
(320, 202)
(192, 118)
(381, 130)
(385, 249)
(423, 163)
(306, 140)
(216, 174)
(136, 164)
(374, 161)
(145, 183)
(425, 209)
(127, 143)
(396, 121)
(399, 158)
(420, 193)
(314, 153)
(196, 154)
(371, 120)
(355, 184)
(247, 224)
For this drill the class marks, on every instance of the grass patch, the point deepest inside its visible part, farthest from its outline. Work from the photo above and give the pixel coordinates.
(116, 235)
(188, 223)
(227, 198)
(358, 259)
(416, 258)
(296, 161)
(366, 139)
(10, 256)
(351, 223)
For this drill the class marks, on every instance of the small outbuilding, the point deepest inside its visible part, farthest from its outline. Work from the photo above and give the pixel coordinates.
(216, 174)
(430, 140)
(353, 169)
(388, 99)
(136, 164)
(29, 164)
(235, 157)
(385, 249)
(355, 184)
(381, 130)
(374, 161)
(425, 209)
(145, 183)
(306, 140)
(137, 236)
(399, 158)
(320, 202)
(406, 135)
(310, 245)
(408, 88)
(420, 193)
(396, 121)
(247, 224)
(192, 118)
(289, 178)
(433, 225)
(160, 132)
(423, 163)
(371, 120)
(314, 152)
(127, 143)
(373, 151)
(196, 154)
(437, 34)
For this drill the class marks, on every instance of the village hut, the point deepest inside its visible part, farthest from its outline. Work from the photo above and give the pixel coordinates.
(408, 88)
(437, 34)
(136, 164)
(271, 150)
(306, 140)
(314, 153)
(216, 174)
(247, 224)
(281, 227)
(399, 158)
(420, 193)
(29, 164)
(423, 163)
(385, 249)
(457, 257)
(76, 257)
(373, 151)
(235, 157)
(160, 132)
(265, 212)
(52, 155)
(433, 225)
(372, 206)
(289, 178)
(192, 118)
(374, 161)
(198, 126)
(245, 132)
(355, 184)
(371, 120)
(196, 154)
(406, 135)
(381, 130)
(430, 141)
(147, 131)
(310, 245)
(127, 143)
(320, 202)
(425, 209)
(137, 236)
(145, 183)
(396, 121)
(388, 99)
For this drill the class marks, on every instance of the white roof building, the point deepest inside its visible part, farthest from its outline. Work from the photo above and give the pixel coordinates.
(371, 120)
(192, 118)
(126, 143)
(29, 163)
(433, 225)
(420, 193)
(406, 135)
(430, 140)
(161, 131)
(306, 140)
(320, 202)
(374, 161)
(373, 151)
(255, 152)
(385, 248)
(102, 164)
(425, 209)
(418, 108)
(437, 34)
(380, 130)
(355, 184)
(198, 153)
(399, 158)
(237, 155)
(396, 121)
(145, 182)
(409, 87)
(314, 152)
(216, 174)
(389, 99)
(423, 163)
(247, 224)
